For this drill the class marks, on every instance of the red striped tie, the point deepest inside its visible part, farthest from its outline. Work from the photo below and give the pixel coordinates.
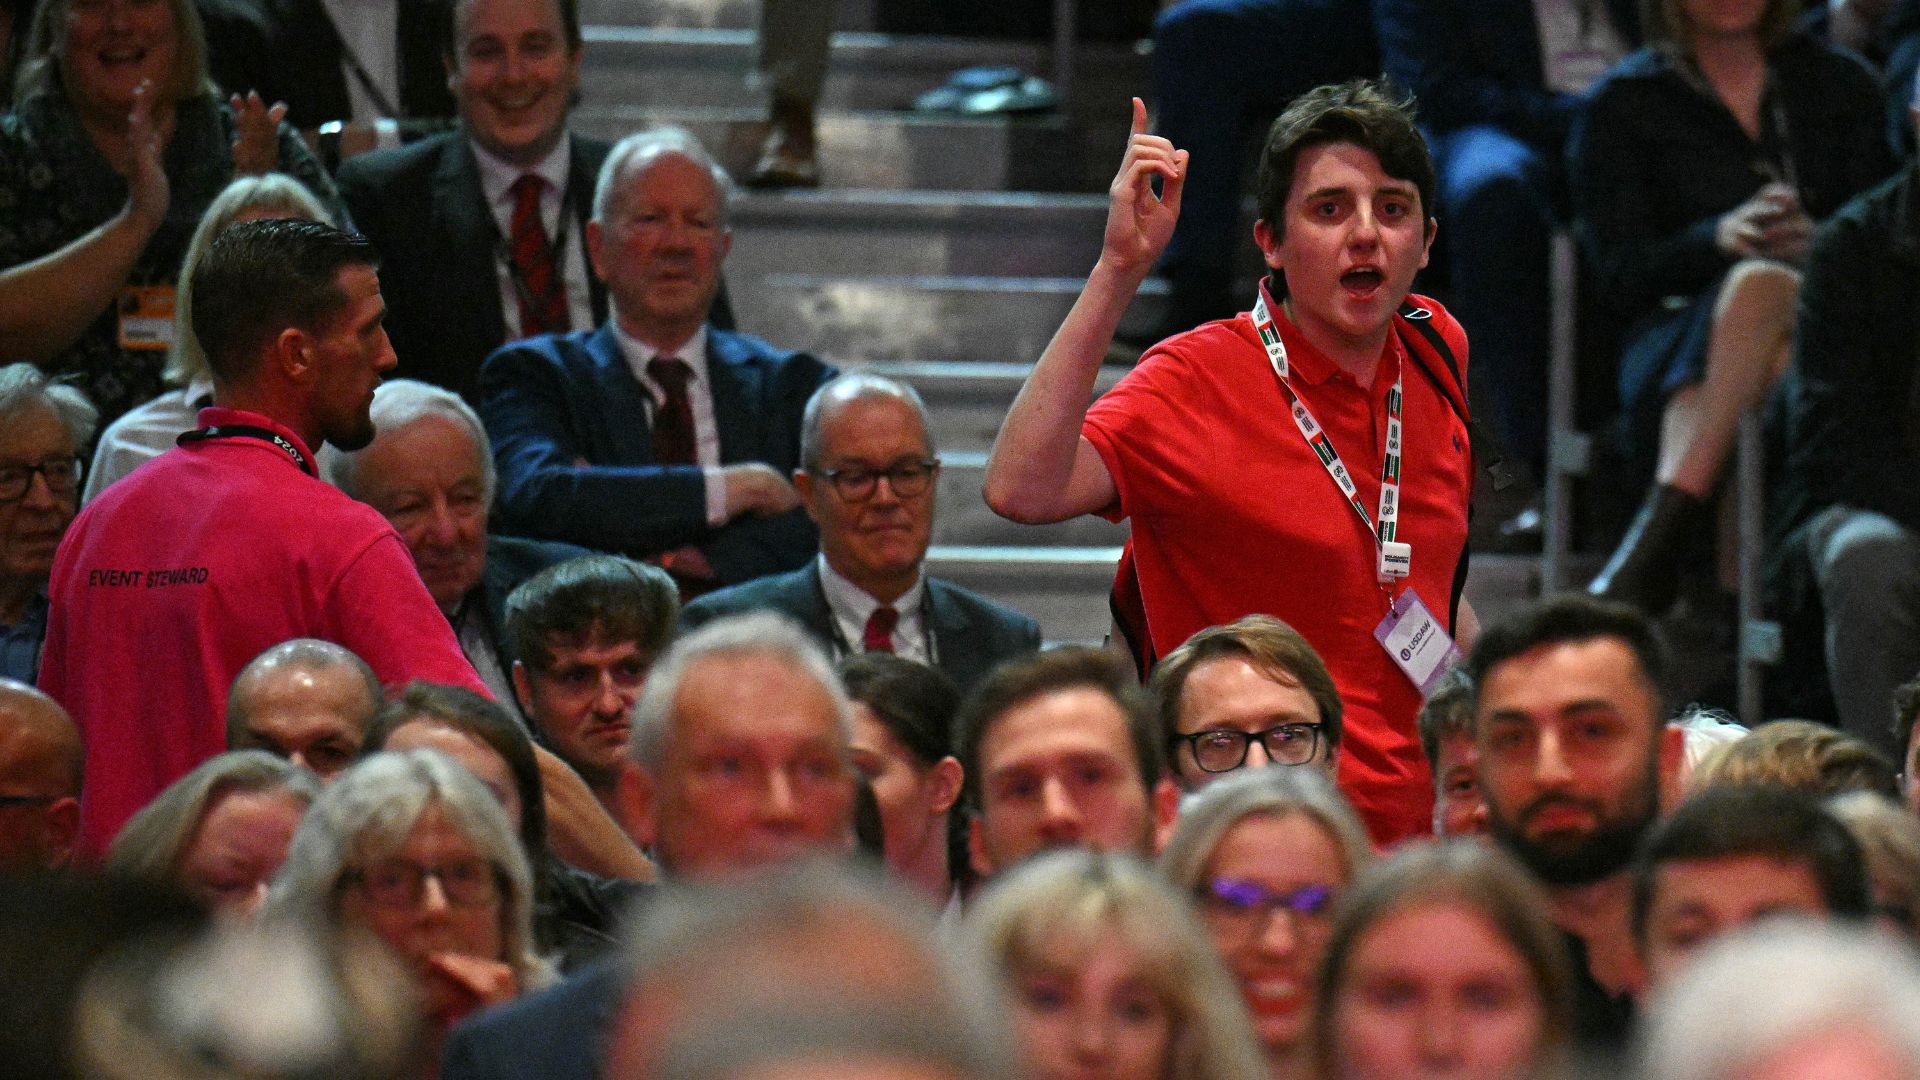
(879, 635)
(543, 304)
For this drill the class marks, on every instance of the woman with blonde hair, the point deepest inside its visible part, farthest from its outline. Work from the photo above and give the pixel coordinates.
(1443, 961)
(1266, 853)
(149, 430)
(1108, 975)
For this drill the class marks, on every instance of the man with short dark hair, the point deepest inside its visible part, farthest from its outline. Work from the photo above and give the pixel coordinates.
(40, 777)
(1732, 855)
(429, 472)
(1446, 735)
(1250, 693)
(1570, 725)
(657, 435)
(584, 633)
(1060, 749)
(305, 700)
(1308, 459)
(172, 580)
(867, 477)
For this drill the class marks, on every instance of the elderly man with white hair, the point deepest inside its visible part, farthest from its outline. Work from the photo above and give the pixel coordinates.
(429, 471)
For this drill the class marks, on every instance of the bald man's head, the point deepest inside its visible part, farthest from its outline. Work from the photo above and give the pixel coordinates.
(40, 774)
(305, 700)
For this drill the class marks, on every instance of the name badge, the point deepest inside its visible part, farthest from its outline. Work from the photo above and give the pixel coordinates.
(1396, 560)
(146, 317)
(1414, 638)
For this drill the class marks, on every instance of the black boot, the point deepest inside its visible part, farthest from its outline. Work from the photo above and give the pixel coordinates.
(1645, 569)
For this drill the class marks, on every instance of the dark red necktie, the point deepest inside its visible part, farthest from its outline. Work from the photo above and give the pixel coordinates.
(673, 420)
(543, 303)
(879, 635)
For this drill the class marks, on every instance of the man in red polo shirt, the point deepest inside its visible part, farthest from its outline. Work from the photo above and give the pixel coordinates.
(1307, 459)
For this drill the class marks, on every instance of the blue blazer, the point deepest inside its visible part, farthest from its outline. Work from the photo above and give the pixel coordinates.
(972, 634)
(556, 1034)
(574, 449)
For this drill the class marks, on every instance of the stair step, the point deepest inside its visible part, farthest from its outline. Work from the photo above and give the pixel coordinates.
(963, 517)
(916, 317)
(880, 150)
(709, 67)
(968, 400)
(961, 233)
(1063, 589)
(705, 14)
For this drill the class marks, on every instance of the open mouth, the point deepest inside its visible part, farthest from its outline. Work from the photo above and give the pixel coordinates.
(1362, 280)
(123, 56)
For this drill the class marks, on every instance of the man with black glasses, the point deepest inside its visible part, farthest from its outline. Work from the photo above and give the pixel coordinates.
(867, 475)
(1252, 692)
(42, 425)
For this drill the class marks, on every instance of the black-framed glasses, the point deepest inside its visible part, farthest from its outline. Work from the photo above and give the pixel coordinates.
(1242, 909)
(907, 478)
(397, 883)
(1225, 750)
(61, 474)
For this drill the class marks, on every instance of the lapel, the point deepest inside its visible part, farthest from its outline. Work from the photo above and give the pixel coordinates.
(582, 173)
(460, 215)
(949, 621)
(736, 378)
(621, 405)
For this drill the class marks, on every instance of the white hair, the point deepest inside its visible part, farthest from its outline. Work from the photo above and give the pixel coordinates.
(398, 403)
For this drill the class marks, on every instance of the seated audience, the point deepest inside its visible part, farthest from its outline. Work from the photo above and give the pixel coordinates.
(148, 431)
(1696, 194)
(1262, 844)
(1889, 839)
(574, 912)
(429, 471)
(1499, 85)
(867, 477)
(1850, 570)
(408, 845)
(1443, 961)
(1802, 755)
(278, 1001)
(1252, 692)
(1446, 734)
(903, 744)
(305, 700)
(481, 230)
(1107, 973)
(1732, 855)
(107, 167)
(1570, 724)
(1059, 750)
(40, 777)
(583, 635)
(43, 425)
(656, 435)
(1793, 1000)
(220, 832)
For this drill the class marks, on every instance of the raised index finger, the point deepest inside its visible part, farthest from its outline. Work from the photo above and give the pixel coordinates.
(1139, 117)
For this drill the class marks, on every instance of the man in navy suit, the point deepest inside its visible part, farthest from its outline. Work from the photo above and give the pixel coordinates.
(442, 211)
(867, 478)
(658, 435)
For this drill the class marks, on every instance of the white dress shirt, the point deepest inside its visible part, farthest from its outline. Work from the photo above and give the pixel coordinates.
(706, 430)
(563, 229)
(851, 607)
(370, 30)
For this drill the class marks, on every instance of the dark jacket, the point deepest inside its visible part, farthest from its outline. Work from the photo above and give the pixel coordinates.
(971, 633)
(573, 447)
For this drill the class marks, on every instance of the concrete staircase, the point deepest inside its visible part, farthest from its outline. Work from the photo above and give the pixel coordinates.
(943, 251)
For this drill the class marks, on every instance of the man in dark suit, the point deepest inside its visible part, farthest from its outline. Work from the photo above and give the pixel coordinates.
(459, 251)
(658, 435)
(430, 474)
(867, 478)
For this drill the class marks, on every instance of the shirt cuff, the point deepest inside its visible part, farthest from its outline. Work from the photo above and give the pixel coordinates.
(386, 132)
(716, 478)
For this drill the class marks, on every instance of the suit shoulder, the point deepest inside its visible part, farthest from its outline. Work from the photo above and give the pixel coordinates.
(775, 592)
(989, 610)
(378, 168)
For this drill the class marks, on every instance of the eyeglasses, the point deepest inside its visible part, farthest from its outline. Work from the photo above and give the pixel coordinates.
(908, 478)
(1226, 750)
(1241, 909)
(61, 474)
(396, 883)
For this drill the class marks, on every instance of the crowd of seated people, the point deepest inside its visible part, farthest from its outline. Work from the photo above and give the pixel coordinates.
(580, 703)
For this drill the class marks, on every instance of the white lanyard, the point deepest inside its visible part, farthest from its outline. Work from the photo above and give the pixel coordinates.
(1395, 559)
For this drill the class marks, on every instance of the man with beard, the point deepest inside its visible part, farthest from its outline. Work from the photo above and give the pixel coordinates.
(1569, 727)
(168, 584)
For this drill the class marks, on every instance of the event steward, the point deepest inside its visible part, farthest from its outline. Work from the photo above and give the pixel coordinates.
(1309, 459)
(159, 600)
